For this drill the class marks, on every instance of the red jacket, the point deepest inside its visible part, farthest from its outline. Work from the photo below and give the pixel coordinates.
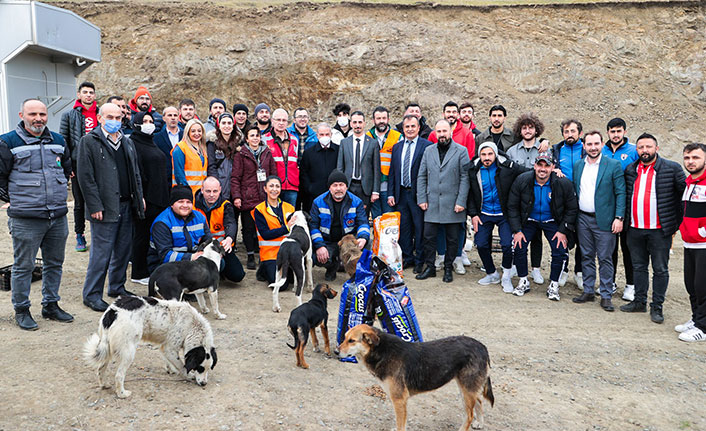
(693, 225)
(461, 136)
(90, 115)
(287, 172)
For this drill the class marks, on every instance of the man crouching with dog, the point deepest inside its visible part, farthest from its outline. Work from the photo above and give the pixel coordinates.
(334, 214)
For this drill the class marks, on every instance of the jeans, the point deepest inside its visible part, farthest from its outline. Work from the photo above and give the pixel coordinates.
(289, 196)
(646, 244)
(596, 243)
(79, 220)
(533, 230)
(111, 247)
(28, 236)
(380, 206)
(695, 282)
(484, 237)
(430, 238)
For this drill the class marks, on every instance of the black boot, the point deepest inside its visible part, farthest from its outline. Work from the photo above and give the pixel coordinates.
(418, 268)
(52, 311)
(24, 319)
(584, 297)
(331, 273)
(251, 261)
(634, 307)
(448, 275)
(429, 271)
(656, 313)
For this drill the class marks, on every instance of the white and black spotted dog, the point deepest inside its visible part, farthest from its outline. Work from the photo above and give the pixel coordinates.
(173, 280)
(176, 327)
(295, 253)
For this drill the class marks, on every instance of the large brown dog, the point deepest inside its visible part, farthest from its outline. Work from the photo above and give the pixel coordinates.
(408, 369)
(349, 253)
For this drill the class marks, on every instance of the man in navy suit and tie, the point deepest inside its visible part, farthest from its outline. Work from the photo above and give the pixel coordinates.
(402, 190)
(171, 133)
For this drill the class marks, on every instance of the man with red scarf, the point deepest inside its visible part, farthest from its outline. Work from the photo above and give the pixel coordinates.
(143, 102)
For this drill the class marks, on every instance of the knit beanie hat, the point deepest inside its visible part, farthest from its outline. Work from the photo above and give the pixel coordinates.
(240, 107)
(488, 144)
(224, 115)
(336, 176)
(260, 107)
(141, 91)
(180, 192)
(216, 100)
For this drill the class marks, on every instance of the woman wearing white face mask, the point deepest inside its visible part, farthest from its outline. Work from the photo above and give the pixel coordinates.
(155, 171)
(342, 129)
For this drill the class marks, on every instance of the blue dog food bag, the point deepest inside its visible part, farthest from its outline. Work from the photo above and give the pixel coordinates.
(393, 306)
(355, 299)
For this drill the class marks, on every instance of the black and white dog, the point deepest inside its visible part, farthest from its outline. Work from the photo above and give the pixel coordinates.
(172, 280)
(295, 253)
(176, 327)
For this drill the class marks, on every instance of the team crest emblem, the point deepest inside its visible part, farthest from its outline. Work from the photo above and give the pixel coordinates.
(623, 156)
(350, 222)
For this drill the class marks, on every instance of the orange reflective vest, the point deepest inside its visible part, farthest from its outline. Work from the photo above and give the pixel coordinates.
(215, 221)
(270, 247)
(194, 170)
(393, 136)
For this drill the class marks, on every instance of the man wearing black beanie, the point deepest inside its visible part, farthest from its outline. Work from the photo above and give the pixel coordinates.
(215, 107)
(240, 116)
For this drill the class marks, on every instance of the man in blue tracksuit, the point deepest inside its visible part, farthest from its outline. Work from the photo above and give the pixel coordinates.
(566, 153)
(621, 149)
(334, 214)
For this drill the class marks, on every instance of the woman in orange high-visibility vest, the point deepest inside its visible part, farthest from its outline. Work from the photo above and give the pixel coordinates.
(271, 220)
(189, 157)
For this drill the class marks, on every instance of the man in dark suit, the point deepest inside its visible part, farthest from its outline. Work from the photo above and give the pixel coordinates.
(402, 189)
(600, 187)
(359, 160)
(171, 134)
(316, 165)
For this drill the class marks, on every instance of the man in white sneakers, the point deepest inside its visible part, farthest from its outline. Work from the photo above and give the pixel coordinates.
(693, 233)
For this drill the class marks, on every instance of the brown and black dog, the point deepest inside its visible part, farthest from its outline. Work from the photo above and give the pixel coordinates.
(349, 253)
(304, 319)
(408, 369)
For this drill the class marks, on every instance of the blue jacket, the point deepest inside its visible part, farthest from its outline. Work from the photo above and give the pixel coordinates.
(172, 238)
(566, 156)
(161, 139)
(311, 138)
(352, 215)
(491, 198)
(394, 178)
(609, 197)
(625, 154)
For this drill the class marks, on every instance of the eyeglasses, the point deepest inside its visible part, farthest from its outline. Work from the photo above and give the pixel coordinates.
(302, 117)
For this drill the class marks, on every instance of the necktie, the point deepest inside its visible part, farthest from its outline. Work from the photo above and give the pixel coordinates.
(356, 166)
(406, 182)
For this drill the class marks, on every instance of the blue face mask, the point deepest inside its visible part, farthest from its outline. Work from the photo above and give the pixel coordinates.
(112, 126)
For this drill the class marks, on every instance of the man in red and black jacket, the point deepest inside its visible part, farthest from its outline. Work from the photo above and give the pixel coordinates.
(693, 233)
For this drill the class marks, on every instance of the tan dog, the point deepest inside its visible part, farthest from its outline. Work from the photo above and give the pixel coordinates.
(349, 253)
(408, 369)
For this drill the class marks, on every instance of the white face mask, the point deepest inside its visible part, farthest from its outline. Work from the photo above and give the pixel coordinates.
(325, 140)
(147, 129)
(342, 121)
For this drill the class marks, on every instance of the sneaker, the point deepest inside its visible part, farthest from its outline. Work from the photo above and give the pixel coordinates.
(537, 276)
(692, 335)
(458, 266)
(522, 287)
(144, 281)
(629, 293)
(493, 278)
(464, 258)
(614, 289)
(81, 244)
(685, 326)
(578, 279)
(513, 271)
(439, 262)
(563, 277)
(507, 283)
(468, 246)
(553, 291)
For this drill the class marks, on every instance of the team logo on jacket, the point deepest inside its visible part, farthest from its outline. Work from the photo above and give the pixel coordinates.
(623, 156)
(218, 227)
(350, 222)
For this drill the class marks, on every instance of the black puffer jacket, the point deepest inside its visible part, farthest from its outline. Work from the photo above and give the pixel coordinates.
(504, 177)
(670, 183)
(73, 128)
(563, 204)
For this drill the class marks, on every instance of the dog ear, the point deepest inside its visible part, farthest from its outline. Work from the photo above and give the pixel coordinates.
(215, 357)
(290, 216)
(307, 217)
(202, 244)
(371, 337)
(194, 358)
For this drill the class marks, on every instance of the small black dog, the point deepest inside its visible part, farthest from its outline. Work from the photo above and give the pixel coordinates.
(304, 319)
(172, 280)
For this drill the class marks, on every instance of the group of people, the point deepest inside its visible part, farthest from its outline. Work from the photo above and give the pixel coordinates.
(153, 185)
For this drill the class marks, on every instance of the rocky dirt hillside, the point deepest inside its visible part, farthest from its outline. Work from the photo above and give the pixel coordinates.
(643, 62)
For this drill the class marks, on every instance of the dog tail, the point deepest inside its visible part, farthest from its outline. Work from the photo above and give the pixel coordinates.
(283, 279)
(95, 351)
(488, 391)
(296, 340)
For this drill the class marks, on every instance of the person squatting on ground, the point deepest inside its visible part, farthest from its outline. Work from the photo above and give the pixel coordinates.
(334, 214)
(35, 166)
(542, 202)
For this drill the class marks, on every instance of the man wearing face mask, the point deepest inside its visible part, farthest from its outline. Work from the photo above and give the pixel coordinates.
(386, 138)
(342, 129)
(37, 195)
(143, 102)
(127, 113)
(317, 164)
(112, 187)
(262, 117)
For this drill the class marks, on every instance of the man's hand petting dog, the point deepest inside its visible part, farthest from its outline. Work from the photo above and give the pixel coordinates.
(196, 255)
(227, 244)
(322, 255)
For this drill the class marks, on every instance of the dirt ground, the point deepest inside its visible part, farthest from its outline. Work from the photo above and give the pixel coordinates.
(555, 365)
